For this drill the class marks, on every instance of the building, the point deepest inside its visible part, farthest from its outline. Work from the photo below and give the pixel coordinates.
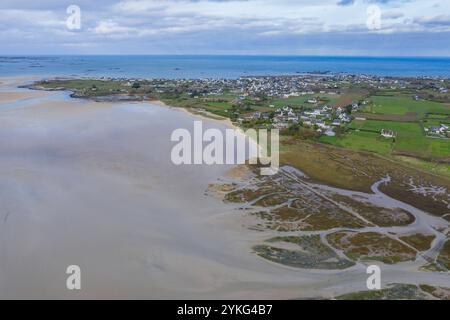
(387, 133)
(336, 123)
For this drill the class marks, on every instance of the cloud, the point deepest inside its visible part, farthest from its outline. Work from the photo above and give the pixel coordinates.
(345, 2)
(109, 27)
(259, 26)
(392, 15)
(439, 20)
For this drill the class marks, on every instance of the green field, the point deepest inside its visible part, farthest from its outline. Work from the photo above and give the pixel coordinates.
(441, 169)
(365, 141)
(324, 99)
(403, 129)
(435, 120)
(89, 87)
(401, 105)
(410, 140)
(440, 117)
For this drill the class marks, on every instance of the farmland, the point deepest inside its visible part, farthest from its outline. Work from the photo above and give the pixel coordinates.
(401, 105)
(364, 141)
(406, 118)
(302, 101)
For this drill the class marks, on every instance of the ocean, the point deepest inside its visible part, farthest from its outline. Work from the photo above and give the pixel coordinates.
(216, 66)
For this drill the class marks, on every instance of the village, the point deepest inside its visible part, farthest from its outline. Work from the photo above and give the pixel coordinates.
(385, 115)
(324, 119)
(317, 101)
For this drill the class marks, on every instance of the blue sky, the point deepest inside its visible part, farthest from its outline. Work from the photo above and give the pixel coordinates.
(284, 27)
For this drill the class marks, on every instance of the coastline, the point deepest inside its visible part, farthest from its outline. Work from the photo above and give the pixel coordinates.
(148, 224)
(204, 115)
(200, 114)
(20, 81)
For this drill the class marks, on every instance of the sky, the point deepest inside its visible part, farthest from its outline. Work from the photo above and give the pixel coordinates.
(228, 27)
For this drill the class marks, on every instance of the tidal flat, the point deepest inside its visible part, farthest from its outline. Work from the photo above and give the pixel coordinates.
(92, 184)
(332, 228)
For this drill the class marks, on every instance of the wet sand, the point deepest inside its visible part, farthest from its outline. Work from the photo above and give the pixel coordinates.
(8, 97)
(92, 184)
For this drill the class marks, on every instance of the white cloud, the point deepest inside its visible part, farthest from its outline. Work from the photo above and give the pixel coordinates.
(109, 27)
(288, 14)
(244, 22)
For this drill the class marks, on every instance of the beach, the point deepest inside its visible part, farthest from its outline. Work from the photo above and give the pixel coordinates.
(92, 184)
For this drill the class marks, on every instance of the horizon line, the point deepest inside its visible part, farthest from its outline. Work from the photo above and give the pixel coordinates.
(225, 55)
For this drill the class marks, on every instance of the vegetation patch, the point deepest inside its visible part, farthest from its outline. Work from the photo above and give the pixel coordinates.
(288, 214)
(359, 170)
(444, 256)
(395, 292)
(438, 292)
(419, 241)
(407, 117)
(247, 195)
(398, 104)
(383, 217)
(371, 246)
(435, 201)
(307, 252)
(273, 200)
(326, 220)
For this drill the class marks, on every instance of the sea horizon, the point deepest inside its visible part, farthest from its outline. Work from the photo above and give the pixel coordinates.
(218, 66)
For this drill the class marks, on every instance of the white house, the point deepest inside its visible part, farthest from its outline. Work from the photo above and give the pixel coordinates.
(387, 133)
(336, 123)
